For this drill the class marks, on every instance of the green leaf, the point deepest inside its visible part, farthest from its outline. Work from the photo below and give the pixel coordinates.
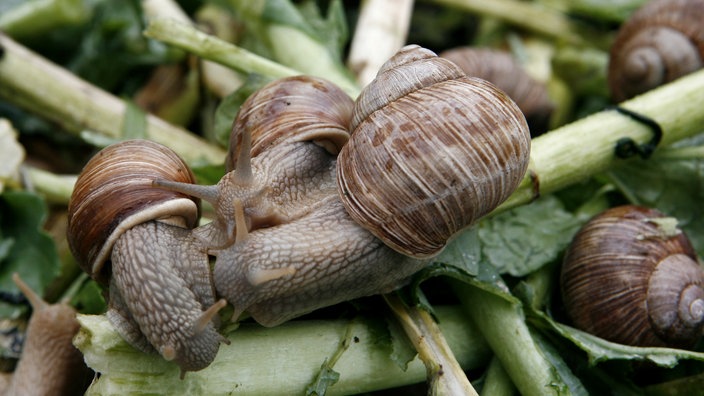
(675, 187)
(599, 350)
(524, 239)
(32, 253)
(402, 350)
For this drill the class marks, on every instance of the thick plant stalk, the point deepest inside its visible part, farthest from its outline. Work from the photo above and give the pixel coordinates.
(503, 325)
(217, 50)
(527, 15)
(382, 25)
(445, 375)
(586, 147)
(43, 88)
(278, 360)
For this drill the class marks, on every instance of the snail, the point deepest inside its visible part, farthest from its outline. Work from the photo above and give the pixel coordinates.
(501, 69)
(160, 288)
(49, 364)
(431, 151)
(661, 41)
(630, 276)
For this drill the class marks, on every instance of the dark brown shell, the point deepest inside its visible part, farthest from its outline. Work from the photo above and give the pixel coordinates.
(431, 151)
(114, 192)
(630, 279)
(501, 69)
(662, 41)
(293, 109)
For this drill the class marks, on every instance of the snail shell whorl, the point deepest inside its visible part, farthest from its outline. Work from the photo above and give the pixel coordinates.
(114, 192)
(502, 70)
(431, 152)
(293, 109)
(627, 280)
(662, 41)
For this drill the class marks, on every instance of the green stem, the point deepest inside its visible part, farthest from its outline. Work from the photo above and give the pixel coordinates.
(586, 147)
(496, 381)
(217, 50)
(54, 188)
(282, 359)
(503, 325)
(527, 15)
(34, 18)
(445, 375)
(43, 88)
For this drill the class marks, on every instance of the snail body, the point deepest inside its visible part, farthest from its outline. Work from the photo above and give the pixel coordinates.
(631, 278)
(663, 40)
(501, 69)
(431, 151)
(160, 287)
(49, 364)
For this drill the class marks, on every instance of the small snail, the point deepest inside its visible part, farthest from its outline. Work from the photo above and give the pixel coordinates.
(501, 69)
(631, 277)
(160, 288)
(50, 364)
(431, 151)
(662, 41)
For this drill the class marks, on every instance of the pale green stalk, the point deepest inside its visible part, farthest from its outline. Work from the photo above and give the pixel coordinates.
(48, 90)
(209, 47)
(279, 360)
(444, 373)
(34, 18)
(524, 14)
(54, 188)
(503, 325)
(496, 380)
(382, 28)
(282, 28)
(586, 147)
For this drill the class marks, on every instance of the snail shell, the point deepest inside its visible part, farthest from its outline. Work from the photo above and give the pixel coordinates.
(114, 193)
(431, 151)
(662, 41)
(160, 286)
(629, 279)
(293, 109)
(501, 69)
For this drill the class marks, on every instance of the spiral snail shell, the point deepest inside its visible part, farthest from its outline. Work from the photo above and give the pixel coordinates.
(501, 69)
(431, 151)
(663, 40)
(630, 278)
(158, 275)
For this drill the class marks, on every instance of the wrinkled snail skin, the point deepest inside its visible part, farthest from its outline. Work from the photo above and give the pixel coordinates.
(160, 286)
(49, 364)
(431, 151)
(631, 278)
(662, 41)
(281, 159)
(319, 260)
(501, 69)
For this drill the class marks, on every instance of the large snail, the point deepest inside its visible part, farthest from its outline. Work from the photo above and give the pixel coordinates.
(632, 277)
(503, 70)
(663, 40)
(161, 295)
(436, 148)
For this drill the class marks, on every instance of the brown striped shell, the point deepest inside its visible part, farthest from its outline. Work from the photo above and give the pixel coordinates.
(501, 69)
(114, 192)
(662, 41)
(631, 278)
(431, 151)
(293, 109)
